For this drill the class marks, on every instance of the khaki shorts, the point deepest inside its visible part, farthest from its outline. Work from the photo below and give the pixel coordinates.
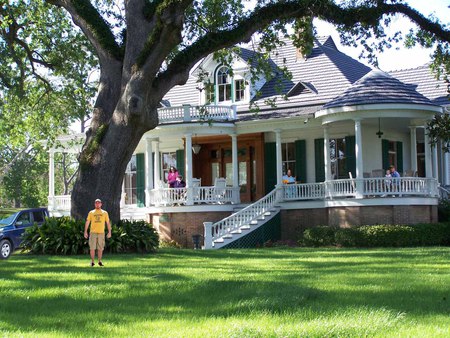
(96, 241)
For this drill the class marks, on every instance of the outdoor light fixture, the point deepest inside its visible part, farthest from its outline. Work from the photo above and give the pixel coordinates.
(196, 147)
(379, 132)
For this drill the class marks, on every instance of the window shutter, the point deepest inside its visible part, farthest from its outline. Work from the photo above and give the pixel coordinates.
(319, 159)
(350, 161)
(385, 153)
(270, 166)
(400, 157)
(300, 161)
(180, 161)
(140, 180)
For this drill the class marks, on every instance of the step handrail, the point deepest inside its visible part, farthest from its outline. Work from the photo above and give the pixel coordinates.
(214, 231)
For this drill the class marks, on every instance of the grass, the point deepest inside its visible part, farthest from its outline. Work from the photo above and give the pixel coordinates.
(276, 292)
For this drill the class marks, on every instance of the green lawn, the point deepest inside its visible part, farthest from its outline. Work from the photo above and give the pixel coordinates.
(230, 293)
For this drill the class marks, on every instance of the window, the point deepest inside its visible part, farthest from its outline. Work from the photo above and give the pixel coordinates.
(227, 87)
(338, 158)
(239, 90)
(392, 153)
(224, 84)
(288, 157)
(130, 182)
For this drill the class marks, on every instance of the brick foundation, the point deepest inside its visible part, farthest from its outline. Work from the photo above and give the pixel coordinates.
(180, 226)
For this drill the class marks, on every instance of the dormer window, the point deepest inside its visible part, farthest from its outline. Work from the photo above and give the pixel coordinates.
(224, 84)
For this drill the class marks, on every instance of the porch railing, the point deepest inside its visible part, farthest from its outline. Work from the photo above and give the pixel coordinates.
(189, 113)
(370, 187)
(207, 194)
(214, 231)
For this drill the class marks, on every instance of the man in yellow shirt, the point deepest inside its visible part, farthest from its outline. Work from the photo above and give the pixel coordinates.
(97, 218)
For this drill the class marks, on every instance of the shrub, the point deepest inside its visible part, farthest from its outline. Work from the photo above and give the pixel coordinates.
(387, 235)
(56, 236)
(164, 243)
(133, 236)
(379, 235)
(348, 237)
(444, 210)
(318, 236)
(65, 236)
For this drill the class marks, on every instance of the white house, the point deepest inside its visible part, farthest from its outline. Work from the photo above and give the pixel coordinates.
(337, 124)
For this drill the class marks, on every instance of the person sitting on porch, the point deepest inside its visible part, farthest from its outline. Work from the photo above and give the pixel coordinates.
(172, 176)
(394, 175)
(288, 178)
(179, 183)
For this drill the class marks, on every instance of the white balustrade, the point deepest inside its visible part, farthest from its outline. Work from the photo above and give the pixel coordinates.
(196, 113)
(306, 191)
(207, 194)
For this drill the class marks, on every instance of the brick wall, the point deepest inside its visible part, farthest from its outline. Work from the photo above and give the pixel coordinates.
(182, 225)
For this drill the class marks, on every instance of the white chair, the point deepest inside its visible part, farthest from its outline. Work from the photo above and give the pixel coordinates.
(220, 188)
(196, 184)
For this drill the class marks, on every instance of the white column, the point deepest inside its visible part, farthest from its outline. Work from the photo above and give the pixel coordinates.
(428, 167)
(188, 169)
(434, 155)
(413, 136)
(156, 164)
(148, 171)
(123, 195)
(235, 164)
(358, 149)
(326, 153)
(51, 180)
(446, 176)
(279, 157)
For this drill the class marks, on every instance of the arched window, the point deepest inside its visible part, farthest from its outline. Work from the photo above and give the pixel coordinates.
(224, 84)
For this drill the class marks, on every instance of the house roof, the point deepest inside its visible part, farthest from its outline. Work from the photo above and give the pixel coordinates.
(326, 69)
(378, 87)
(425, 82)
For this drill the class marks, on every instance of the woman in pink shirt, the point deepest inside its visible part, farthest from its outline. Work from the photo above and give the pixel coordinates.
(172, 176)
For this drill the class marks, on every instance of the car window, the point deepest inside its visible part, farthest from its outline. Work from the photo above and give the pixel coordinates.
(24, 218)
(8, 220)
(38, 216)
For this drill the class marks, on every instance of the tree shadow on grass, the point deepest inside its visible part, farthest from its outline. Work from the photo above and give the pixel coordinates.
(40, 290)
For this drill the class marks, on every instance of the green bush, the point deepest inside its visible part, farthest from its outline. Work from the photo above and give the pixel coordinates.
(318, 236)
(57, 236)
(348, 237)
(65, 236)
(444, 210)
(133, 236)
(379, 235)
(387, 235)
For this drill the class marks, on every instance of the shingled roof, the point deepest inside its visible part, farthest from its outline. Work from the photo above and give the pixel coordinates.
(378, 87)
(426, 83)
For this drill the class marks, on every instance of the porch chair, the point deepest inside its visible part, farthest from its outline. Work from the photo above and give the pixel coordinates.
(378, 172)
(196, 184)
(409, 173)
(220, 188)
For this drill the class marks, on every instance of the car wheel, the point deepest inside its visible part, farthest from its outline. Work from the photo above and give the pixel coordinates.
(5, 249)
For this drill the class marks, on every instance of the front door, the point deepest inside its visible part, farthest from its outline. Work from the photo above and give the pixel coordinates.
(215, 160)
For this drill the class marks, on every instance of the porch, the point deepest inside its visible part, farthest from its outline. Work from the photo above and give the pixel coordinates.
(364, 188)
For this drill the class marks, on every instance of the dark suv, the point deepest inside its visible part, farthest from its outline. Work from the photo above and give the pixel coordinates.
(12, 228)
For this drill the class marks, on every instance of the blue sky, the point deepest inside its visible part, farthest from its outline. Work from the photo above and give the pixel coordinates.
(400, 57)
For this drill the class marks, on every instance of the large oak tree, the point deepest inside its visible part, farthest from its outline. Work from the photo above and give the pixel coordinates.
(144, 48)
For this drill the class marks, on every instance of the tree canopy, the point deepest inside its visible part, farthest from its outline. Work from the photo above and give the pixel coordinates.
(143, 49)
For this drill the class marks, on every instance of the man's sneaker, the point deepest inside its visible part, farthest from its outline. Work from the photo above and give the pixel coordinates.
(100, 263)
(92, 263)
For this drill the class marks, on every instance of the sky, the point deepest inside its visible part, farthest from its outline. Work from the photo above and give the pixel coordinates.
(400, 57)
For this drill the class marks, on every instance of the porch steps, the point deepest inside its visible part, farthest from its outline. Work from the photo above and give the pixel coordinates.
(245, 229)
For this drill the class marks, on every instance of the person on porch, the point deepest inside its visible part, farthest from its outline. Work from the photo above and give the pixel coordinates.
(172, 176)
(179, 183)
(289, 179)
(395, 175)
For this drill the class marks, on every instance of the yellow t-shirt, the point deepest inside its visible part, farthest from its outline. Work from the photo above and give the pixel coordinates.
(98, 219)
